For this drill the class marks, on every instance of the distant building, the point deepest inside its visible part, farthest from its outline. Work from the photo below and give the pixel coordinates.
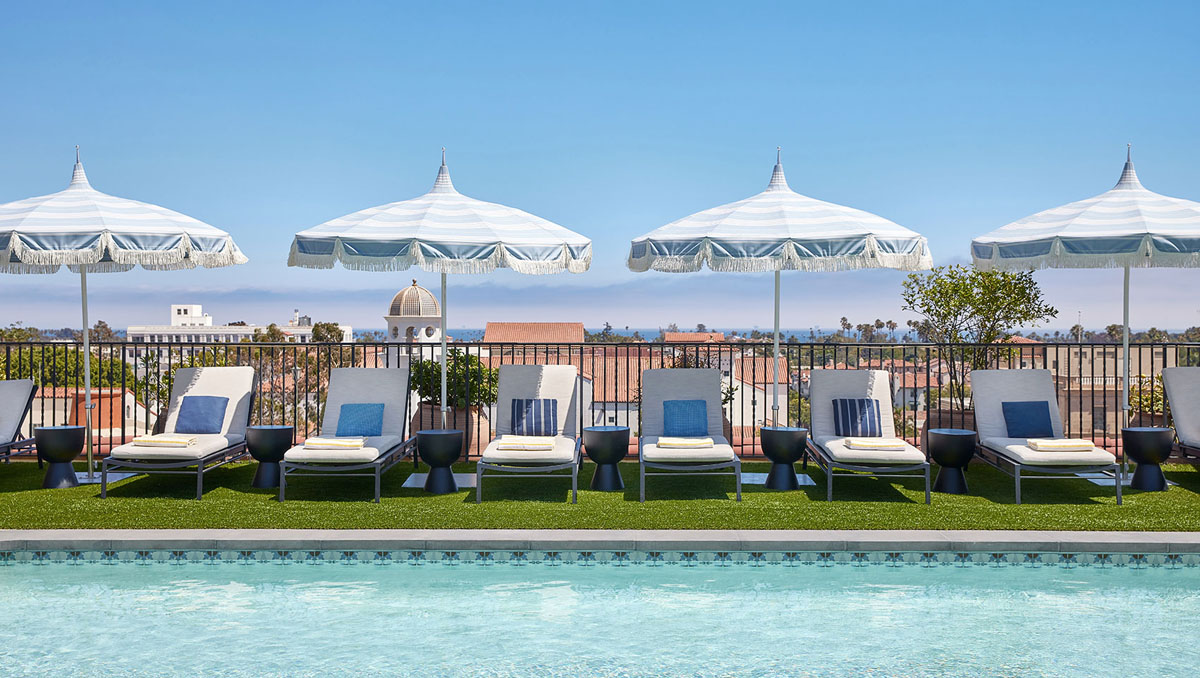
(694, 337)
(189, 324)
(533, 333)
(414, 317)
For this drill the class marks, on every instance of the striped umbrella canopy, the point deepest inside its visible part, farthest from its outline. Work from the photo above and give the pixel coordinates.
(445, 232)
(1126, 227)
(779, 230)
(93, 232)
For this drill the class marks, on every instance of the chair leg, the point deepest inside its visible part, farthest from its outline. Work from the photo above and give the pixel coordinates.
(927, 498)
(804, 459)
(829, 482)
(282, 480)
(478, 483)
(103, 477)
(378, 481)
(641, 482)
(200, 482)
(1018, 479)
(1119, 479)
(575, 485)
(737, 479)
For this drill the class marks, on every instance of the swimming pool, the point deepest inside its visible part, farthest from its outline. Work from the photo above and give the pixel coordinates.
(182, 614)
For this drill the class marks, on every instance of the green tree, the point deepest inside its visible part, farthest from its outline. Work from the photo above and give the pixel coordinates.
(701, 328)
(468, 380)
(1155, 335)
(271, 335)
(963, 304)
(102, 332)
(372, 337)
(18, 332)
(1114, 332)
(327, 333)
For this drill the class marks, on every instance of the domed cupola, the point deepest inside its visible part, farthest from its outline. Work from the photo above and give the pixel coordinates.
(414, 316)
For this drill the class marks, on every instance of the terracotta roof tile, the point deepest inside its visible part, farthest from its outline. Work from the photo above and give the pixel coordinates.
(534, 333)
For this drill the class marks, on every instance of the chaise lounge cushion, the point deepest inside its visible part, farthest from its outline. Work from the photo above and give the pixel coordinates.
(1182, 385)
(720, 451)
(14, 401)
(836, 449)
(369, 452)
(206, 444)
(563, 453)
(1018, 451)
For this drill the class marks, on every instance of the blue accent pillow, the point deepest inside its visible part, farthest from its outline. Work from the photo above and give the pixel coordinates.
(201, 414)
(360, 419)
(857, 417)
(1028, 419)
(535, 416)
(685, 418)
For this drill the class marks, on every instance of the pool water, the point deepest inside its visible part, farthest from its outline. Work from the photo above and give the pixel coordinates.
(470, 620)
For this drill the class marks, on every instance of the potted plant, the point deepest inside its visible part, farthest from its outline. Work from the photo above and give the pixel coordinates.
(470, 389)
(1147, 402)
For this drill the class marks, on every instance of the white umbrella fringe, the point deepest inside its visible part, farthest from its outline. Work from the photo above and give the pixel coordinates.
(499, 258)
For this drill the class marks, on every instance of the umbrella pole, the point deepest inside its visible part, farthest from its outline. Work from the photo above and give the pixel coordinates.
(1125, 358)
(87, 370)
(444, 357)
(775, 360)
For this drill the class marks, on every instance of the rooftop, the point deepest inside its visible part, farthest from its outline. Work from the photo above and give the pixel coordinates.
(533, 333)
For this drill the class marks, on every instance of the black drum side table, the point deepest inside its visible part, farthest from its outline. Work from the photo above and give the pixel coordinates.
(784, 446)
(266, 445)
(1148, 447)
(606, 446)
(440, 448)
(952, 449)
(59, 446)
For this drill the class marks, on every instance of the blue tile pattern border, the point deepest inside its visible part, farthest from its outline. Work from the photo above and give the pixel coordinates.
(450, 558)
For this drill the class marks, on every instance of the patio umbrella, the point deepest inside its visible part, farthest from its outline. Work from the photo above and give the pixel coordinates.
(1125, 227)
(779, 230)
(92, 232)
(442, 231)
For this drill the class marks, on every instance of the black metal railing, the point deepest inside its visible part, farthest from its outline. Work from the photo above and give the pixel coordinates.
(131, 381)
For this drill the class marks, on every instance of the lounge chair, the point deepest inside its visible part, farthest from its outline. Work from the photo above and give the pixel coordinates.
(1012, 454)
(16, 399)
(1182, 387)
(357, 385)
(847, 452)
(684, 385)
(559, 417)
(211, 450)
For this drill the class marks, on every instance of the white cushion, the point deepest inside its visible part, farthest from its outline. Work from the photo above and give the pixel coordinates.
(990, 389)
(563, 453)
(836, 449)
(825, 386)
(720, 451)
(559, 382)
(387, 385)
(235, 383)
(1182, 385)
(14, 401)
(1018, 451)
(659, 385)
(370, 451)
(206, 444)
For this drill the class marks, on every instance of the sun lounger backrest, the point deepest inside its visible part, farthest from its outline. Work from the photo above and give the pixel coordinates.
(683, 383)
(1182, 385)
(825, 386)
(387, 385)
(560, 382)
(235, 383)
(991, 388)
(14, 403)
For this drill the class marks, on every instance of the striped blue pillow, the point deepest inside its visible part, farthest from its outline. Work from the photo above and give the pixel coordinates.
(685, 418)
(858, 417)
(535, 416)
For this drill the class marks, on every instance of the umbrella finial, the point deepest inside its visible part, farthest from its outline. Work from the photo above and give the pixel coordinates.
(78, 178)
(778, 181)
(443, 184)
(1129, 178)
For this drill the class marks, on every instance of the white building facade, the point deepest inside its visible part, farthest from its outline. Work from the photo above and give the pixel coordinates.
(189, 324)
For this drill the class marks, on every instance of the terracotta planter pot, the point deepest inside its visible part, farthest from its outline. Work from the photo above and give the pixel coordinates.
(473, 421)
(1145, 419)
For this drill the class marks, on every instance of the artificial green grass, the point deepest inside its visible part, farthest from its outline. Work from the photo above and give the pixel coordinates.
(673, 503)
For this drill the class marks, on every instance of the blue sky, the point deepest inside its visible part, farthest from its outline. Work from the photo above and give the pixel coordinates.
(609, 118)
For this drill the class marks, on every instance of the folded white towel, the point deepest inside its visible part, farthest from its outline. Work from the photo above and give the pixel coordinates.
(510, 442)
(672, 442)
(165, 440)
(875, 444)
(1060, 444)
(347, 443)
